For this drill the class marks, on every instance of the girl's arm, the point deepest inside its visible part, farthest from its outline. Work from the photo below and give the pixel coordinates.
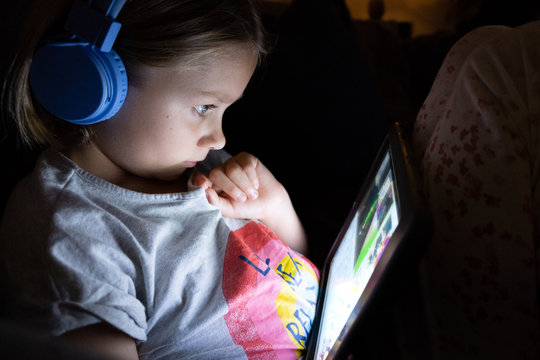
(243, 187)
(103, 339)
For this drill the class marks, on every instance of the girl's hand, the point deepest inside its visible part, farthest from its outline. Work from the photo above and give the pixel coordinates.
(235, 187)
(243, 187)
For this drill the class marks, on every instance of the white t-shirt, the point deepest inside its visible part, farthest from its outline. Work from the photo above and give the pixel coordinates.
(166, 269)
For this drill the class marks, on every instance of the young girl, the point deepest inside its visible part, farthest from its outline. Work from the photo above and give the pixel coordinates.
(115, 241)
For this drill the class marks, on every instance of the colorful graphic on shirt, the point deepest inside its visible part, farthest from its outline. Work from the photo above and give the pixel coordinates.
(271, 292)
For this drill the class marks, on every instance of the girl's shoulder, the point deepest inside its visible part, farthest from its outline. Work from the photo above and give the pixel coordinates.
(59, 195)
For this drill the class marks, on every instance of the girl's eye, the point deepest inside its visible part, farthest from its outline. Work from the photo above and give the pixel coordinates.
(203, 109)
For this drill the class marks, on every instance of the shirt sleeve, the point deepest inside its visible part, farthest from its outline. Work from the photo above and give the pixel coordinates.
(93, 281)
(84, 273)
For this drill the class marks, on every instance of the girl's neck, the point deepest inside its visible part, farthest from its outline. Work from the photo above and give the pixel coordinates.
(91, 159)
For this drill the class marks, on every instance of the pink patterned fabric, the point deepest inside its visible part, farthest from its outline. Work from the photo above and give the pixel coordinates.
(478, 141)
(276, 296)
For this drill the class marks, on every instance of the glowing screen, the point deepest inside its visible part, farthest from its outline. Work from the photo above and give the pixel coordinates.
(360, 250)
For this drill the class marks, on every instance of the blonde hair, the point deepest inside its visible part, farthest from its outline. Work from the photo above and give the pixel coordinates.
(154, 33)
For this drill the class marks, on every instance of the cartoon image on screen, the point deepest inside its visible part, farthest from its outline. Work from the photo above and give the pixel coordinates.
(355, 260)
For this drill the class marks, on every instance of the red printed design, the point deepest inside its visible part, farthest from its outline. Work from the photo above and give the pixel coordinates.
(271, 293)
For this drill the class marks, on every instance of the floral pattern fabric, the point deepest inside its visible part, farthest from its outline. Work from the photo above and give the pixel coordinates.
(477, 138)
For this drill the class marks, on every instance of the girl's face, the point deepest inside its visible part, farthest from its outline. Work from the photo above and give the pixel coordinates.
(170, 121)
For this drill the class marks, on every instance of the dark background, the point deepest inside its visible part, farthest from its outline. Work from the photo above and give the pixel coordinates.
(317, 109)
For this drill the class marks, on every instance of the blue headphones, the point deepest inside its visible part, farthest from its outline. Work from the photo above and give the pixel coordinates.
(81, 79)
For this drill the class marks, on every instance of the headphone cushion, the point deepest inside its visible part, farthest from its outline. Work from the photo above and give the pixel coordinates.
(78, 82)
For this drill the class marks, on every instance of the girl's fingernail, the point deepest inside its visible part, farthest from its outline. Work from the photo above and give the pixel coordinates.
(253, 194)
(241, 197)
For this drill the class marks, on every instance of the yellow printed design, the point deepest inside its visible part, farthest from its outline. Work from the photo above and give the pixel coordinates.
(296, 301)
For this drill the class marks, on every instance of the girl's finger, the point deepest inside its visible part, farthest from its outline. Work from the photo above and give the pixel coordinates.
(200, 180)
(249, 166)
(243, 173)
(224, 183)
(222, 203)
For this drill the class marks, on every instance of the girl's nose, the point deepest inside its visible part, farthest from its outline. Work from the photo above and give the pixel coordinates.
(215, 140)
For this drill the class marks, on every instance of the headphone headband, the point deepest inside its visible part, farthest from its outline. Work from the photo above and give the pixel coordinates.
(93, 21)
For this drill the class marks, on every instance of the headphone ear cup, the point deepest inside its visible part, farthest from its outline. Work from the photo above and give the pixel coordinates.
(78, 82)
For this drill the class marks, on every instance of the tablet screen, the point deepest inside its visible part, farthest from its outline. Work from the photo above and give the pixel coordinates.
(360, 249)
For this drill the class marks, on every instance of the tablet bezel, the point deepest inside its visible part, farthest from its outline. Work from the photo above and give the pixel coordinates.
(404, 248)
